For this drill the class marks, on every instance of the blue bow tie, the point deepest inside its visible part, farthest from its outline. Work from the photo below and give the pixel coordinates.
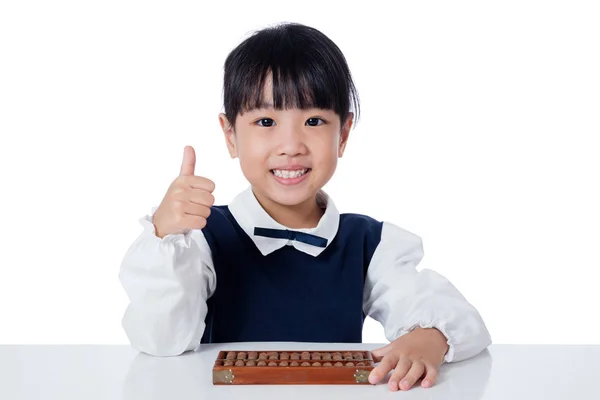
(291, 235)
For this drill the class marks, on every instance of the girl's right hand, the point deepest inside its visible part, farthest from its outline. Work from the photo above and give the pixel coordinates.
(187, 203)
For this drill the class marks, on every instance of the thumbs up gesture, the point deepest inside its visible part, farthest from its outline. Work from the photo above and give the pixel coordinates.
(187, 203)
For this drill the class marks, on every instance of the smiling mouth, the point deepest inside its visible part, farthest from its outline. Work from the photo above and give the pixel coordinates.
(290, 174)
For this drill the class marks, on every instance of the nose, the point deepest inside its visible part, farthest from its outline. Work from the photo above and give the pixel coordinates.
(291, 142)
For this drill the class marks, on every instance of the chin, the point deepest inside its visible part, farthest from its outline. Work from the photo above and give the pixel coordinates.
(290, 197)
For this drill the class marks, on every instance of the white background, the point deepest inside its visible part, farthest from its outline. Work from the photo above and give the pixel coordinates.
(479, 133)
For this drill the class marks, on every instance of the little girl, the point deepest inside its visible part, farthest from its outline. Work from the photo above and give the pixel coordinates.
(280, 263)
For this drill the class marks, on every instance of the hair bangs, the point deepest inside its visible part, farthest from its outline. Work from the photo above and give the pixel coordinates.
(289, 88)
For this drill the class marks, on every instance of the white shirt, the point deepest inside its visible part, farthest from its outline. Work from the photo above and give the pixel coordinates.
(168, 281)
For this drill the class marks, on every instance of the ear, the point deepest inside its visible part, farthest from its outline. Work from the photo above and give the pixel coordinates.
(229, 133)
(344, 134)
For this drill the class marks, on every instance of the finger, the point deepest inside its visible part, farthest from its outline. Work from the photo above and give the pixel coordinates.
(386, 365)
(193, 222)
(188, 165)
(196, 210)
(413, 375)
(199, 182)
(202, 198)
(379, 353)
(401, 369)
(430, 377)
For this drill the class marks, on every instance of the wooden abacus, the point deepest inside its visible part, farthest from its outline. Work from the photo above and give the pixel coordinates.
(233, 367)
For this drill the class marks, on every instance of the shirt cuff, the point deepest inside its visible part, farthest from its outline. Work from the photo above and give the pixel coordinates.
(180, 239)
(440, 326)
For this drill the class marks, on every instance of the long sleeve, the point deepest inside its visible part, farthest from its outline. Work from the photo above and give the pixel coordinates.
(402, 298)
(167, 281)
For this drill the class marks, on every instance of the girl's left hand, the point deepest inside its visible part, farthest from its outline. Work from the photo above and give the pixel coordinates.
(413, 355)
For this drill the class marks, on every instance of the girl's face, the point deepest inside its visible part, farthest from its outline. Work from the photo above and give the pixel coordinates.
(286, 155)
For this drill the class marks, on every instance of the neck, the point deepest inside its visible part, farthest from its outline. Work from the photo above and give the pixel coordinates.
(298, 216)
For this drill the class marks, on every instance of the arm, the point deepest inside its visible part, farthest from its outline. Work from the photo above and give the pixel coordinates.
(168, 281)
(402, 298)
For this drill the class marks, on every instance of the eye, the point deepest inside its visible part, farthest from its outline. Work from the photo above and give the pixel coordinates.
(314, 121)
(267, 122)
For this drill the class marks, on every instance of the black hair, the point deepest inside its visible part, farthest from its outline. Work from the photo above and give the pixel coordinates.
(308, 70)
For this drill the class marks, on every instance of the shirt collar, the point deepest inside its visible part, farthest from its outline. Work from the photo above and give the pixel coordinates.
(249, 214)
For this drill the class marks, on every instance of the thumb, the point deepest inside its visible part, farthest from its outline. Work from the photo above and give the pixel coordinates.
(188, 164)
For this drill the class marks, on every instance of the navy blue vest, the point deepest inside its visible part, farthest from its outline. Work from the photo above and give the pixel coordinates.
(288, 295)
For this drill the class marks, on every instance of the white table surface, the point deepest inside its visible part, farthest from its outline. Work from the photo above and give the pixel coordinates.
(119, 372)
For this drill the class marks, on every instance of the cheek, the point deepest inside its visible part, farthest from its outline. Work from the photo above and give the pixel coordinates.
(328, 147)
(253, 156)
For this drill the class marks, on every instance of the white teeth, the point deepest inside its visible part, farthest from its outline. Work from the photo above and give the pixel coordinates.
(287, 174)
